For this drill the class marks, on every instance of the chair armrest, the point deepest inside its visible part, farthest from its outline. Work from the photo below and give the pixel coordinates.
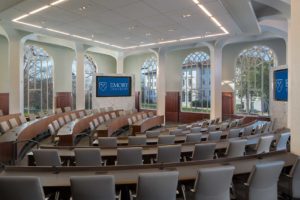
(104, 162)
(131, 195)
(119, 195)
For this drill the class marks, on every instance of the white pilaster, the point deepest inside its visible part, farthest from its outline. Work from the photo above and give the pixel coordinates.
(80, 93)
(161, 82)
(120, 63)
(216, 82)
(293, 74)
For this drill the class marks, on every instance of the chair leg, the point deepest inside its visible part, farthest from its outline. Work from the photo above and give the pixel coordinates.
(183, 191)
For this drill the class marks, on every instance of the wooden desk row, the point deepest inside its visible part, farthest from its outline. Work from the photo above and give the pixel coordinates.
(60, 176)
(11, 143)
(146, 124)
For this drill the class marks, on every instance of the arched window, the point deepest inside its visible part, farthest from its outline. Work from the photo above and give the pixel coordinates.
(195, 95)
(252, 80)
(38, 80)
(89, 71)
(74, 76)
(148, 84)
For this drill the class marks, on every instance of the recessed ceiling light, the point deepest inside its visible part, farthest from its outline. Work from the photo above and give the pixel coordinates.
(131, 27)
(171, 30)
(186, 15)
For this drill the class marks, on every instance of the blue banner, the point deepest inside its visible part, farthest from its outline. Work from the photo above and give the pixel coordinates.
(281, 85)
(113, 86)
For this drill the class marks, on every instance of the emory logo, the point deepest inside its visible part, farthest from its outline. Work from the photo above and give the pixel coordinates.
(103, 86)
(279, 85)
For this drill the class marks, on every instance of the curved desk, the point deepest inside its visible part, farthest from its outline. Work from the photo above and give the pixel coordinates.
(146, 124)
(60, 176)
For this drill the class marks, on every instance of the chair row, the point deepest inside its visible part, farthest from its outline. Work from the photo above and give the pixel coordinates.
(139, 117)
(211, 183)
(5, 126)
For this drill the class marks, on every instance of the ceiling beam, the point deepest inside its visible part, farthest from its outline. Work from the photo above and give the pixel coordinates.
(282, 6)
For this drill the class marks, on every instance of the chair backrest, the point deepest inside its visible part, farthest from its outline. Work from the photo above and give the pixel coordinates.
(81, 114)
(150, 114)
(139, 117)
(129, 121)
(107, 142)
(177, 132)
(58, 110)
(100, 119)
(73, 116)
(110, 108)
(133, 119)
(169, 154)
(22, 119)
(67, 109)
(214, 136)
(1, 113)
(166, 139)
(96, 122)
(234, 133)
(236, 148)
(182, 127)
(193, 137)
(152, 134)
(157, 185)
(264, 144)
(282, 142)
(295, 174)
(46, 157)
(92, 126)
(61, 121)
(212, 128)
(51, 129)
(107, 117)
(67, 118)
(196, 129)
(21, 188)
(204, 151)
(93, 187)
(13, 122)
(214, 183)
(88, 157)
(32, 117)
(224, 126)
(56, 125)
(248, 130)
(144, 115)
(130, 156)
(113, 115)
(263, 180)
(137, 140)
(4, 126)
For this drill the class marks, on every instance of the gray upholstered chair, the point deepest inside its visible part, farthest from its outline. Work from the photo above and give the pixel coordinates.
(204, 151)
(100, 119)
(107, 142)
(58, 110)
(93, 187)
(22, 119)
(224, 126)
(213, 183)
(61, 121)
(150, 114)
(196, 129)
(113, 115)
(214, 136)
(144, 116)
(236, 148)
(182, 127)
(53, 133)
(193, 137)
(169, 154)
(81, 114)
(166, 139)
(107, 117)
(56, 125)
(152, 134)
(247, 131)
(137, 140)
(212, 128)
(233, 133)
(262, 182)
(67, 109)
(88, 157)
(73, 116)
(139, 117)
(46, 157)
(4, 126)
(129, 120)
(130, 156)
(96, 122)
(67, 118)
(134, 119)
(13, 122)
(177, 132)
(264, 144)
(21, 188)
(282, 142)
(157, 186)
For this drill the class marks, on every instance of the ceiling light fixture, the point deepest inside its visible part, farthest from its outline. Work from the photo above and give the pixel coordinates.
(216, 21)
(145, 45)
(80, 37)
(186, 15)
(169, 41)
(57, 31)
(204, 10)
(191, 38)
(39, 9)
(21, 17)
(97, 41)
(171, 30)
(196, 1)
(28, 24)
(57, 2)
(224, 29)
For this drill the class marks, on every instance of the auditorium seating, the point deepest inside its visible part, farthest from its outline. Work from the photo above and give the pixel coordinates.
(281, 143)
(168, 154)
(264, 144)
(22, 119)
(45, 157)
(107, 142)
(166, 139)
(87, 157)
(129, 156)
(236, 148)
(4, 126)
(13, 122)
(193, 137)
(137, 140)
(204, 151)
(214, 136)
(32, 117)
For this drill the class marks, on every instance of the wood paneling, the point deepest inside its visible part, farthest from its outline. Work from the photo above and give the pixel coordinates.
(172, 106)
(187, 117)
(227, 105)
(137, 100)
(4, 103)
(63, 99)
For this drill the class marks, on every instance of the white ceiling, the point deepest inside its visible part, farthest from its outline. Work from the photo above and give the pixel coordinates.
(110, 20)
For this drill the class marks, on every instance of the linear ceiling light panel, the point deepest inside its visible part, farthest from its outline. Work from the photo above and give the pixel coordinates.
(57, 31)
(57, 2)
(39, 9)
